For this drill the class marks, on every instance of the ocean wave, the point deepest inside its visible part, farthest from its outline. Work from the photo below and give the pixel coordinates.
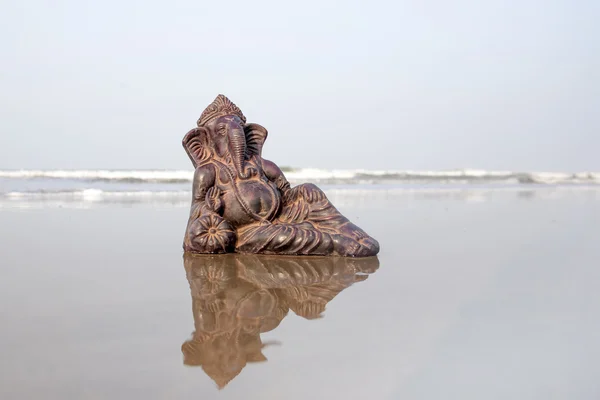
(450, 176)
(95, 194)
(341, 197)
(101, 195)
(126, 176)
(93, 197)
(326, 176)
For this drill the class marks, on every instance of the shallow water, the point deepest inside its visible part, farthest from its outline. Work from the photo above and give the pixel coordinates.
(489, 295)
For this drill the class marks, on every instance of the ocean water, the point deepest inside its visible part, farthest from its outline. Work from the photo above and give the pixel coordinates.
(87, 187)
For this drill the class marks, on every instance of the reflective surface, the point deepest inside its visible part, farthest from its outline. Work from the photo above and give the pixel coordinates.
(476, 297)
(236, 298)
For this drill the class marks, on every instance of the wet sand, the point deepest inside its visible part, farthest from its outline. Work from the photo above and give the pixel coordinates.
(473, 296)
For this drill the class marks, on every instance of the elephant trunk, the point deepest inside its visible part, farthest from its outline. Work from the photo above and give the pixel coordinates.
(237, 147)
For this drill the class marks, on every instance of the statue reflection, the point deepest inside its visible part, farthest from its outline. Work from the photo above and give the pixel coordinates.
(235, 298)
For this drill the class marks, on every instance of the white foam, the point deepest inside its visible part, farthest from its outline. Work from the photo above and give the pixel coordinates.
(142, 175)
(97, 193)
(89, 197)
(354, 176)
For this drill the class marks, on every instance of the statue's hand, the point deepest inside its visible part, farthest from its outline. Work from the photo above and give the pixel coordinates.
(282, 184)
(213, 199)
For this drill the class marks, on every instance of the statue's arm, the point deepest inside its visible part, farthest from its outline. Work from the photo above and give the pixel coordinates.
(274, 174)
(204, 179)
(308, 192)
(207, 231)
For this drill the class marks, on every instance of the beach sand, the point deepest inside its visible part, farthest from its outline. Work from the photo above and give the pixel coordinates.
(478, 295)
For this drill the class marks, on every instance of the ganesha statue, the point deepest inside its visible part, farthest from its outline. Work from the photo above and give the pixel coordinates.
(243, 203)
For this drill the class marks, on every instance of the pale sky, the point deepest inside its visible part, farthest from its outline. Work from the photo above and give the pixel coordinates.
(429, 84)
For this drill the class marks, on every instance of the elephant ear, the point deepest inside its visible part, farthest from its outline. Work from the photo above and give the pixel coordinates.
(196, 145)
(255, 138)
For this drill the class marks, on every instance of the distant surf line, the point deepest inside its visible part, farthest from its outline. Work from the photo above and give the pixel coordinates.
(331, 176)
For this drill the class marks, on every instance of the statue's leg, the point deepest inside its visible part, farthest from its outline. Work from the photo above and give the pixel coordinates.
(308, 204)
(284, 238)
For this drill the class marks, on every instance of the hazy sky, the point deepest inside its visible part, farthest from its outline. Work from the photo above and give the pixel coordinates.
(420, 84)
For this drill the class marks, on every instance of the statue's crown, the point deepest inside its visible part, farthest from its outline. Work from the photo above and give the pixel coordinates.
(219, 107)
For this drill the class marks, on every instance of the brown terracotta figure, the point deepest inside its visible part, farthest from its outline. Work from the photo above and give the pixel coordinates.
(237, 297)
(243, 203)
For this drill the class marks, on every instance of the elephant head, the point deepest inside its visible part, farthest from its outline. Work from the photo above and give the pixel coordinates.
(222, 133)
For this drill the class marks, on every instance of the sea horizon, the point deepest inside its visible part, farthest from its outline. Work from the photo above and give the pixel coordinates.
(84, 187)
